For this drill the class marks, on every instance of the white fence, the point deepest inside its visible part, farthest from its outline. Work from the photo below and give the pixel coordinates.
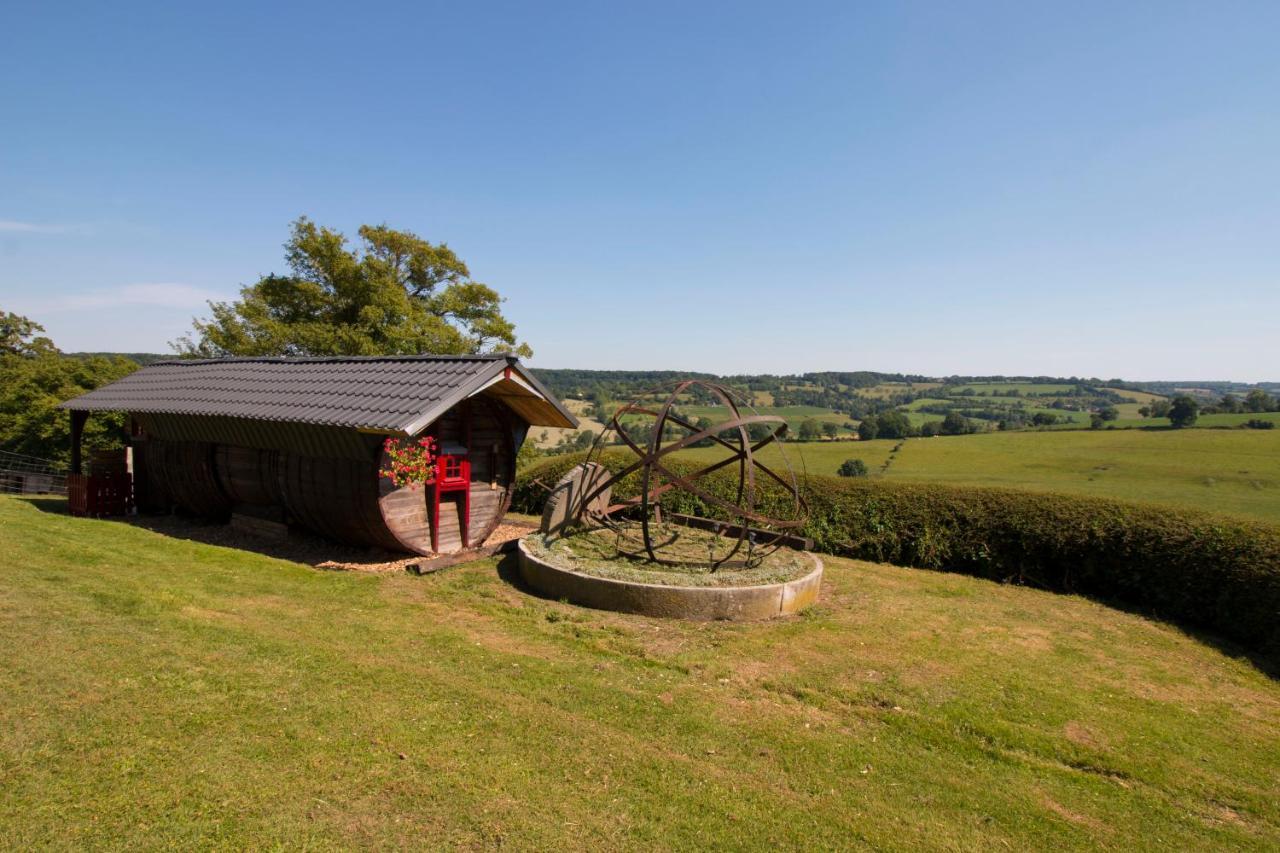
(29, 475)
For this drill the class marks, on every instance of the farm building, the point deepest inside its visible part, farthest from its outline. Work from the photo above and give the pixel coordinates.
(301, 441)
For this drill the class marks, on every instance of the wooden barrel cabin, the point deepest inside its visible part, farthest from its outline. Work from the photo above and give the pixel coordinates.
(301, 441)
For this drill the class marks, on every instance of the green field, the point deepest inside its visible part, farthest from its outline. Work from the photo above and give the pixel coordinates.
(161, 693)
(890, 389)
(1139, 397)
(793, 415)
(986, 388)
(1215, 420)
(1232, 471)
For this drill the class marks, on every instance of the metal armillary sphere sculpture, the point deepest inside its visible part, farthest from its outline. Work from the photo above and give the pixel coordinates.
(739, 522)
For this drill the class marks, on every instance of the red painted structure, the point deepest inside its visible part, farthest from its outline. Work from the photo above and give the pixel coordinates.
(99, 495)
(453, 476)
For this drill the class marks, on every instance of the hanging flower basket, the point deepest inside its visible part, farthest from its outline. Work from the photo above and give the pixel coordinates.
(411, 462)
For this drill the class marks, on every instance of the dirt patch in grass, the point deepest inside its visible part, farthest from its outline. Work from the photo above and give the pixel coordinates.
(1080, 734)
(1071, 816)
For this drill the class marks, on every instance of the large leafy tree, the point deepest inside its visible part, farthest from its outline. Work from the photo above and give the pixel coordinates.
(393, 294)
(35, 377)
(1258, 400)
(1183, 411)
(18, 336)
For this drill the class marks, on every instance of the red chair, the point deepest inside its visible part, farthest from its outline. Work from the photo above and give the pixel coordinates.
(453, 474)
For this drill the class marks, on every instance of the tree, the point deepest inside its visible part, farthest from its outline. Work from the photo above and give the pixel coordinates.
(1159, 408)
(1096, 421)
(703, 423)
(18, 336)
(35, 377)
(928, 429)
(1183, 411)
(893, 424)
(1109, 413)
(810, 430)
(1258, 400)
(829, 429)
(1230, 404)
(852, 468)
(394, 294)
(867, 429)
(955, 424)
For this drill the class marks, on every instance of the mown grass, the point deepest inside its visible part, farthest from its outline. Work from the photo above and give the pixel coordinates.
(164, 693)
(1231, 471)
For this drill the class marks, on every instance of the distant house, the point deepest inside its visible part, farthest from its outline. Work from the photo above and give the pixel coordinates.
(300, 441)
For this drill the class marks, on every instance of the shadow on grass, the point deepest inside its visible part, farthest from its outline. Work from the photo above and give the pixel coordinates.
(55, 505)
(299, 546)
(509, 572)
(1266, 661)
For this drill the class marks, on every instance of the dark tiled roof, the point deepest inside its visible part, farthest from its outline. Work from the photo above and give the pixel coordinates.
(379, 393)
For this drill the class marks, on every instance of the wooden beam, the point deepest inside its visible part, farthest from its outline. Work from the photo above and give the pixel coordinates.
(77, 433)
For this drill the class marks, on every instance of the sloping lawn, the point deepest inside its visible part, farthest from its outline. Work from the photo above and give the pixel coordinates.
(156, 692)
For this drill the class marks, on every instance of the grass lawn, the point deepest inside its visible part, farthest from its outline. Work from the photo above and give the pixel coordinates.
(158, 692)
(1232, 471)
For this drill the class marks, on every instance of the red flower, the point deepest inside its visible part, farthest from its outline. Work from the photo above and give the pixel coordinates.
(411, 463)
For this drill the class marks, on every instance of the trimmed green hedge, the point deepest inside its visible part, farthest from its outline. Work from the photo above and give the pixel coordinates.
(1198, 568)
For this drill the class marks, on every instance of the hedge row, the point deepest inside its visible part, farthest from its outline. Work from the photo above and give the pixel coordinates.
(1197, 568)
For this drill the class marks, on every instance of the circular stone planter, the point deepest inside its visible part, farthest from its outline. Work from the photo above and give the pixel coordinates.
(738, 603)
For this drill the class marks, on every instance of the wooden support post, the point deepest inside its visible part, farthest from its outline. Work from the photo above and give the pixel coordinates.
(77, 433)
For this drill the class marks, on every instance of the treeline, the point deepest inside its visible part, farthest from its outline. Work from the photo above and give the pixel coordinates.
(613, 384)
(141, 358)
(624, 384)
(35, 376)
(1218, 388)
(1043, 380)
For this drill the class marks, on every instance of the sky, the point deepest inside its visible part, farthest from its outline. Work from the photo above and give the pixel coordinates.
(1019, 188)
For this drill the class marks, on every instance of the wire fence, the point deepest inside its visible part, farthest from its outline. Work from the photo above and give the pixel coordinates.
(29, 475)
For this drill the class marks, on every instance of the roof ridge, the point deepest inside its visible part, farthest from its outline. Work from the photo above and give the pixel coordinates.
(312, 359)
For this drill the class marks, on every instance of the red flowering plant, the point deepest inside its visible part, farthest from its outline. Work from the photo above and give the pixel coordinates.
(410, 462)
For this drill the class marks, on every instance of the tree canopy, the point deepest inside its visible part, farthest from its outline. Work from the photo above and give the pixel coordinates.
(394, 294)
(35, 377)
(1258, 400)
(1183, 411)
(810, 430)
(852, 468)
(18, 336)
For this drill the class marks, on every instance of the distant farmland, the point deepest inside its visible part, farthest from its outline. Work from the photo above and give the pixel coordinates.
(1231, 471)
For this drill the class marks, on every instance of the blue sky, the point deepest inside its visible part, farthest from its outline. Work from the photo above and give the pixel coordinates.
(1022, 188)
